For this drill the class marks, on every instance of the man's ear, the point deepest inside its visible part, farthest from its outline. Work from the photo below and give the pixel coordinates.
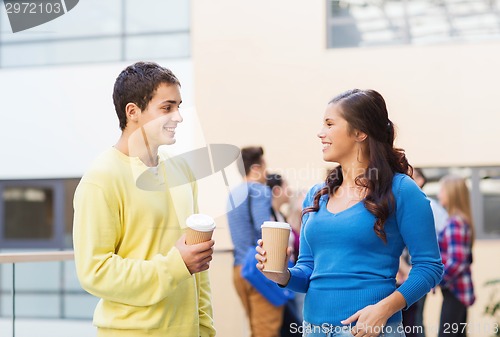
(360, 136)
(132, 112)
(255, 167)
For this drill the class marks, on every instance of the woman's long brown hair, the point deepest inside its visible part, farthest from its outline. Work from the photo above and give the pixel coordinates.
(366, 111)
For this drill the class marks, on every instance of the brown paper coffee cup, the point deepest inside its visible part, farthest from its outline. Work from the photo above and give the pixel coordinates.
(193, 237)
(200, 228)
(275, 236)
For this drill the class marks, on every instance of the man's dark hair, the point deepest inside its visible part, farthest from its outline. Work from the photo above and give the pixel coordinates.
(251, 155)
(137, 84)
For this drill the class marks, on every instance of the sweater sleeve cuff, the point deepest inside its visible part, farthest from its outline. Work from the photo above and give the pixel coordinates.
(295, 283)
(412, 292)
(172, 267)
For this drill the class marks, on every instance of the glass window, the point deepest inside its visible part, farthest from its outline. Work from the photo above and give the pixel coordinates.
(4, 23)
(91, 18)
(484, 192)
(28, 213)
(69, 191)
(358, 23)
(104, 16)
(158, 46)
(101, 31)
(490, 190)
(157, 16)
(66, 52)
(492, 213)
(37, 213)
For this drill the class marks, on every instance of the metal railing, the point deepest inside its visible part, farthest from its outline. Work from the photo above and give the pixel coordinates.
(15, 258)
(58, 302)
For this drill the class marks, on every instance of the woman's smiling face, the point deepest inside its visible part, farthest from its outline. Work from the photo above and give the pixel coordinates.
(339, 142)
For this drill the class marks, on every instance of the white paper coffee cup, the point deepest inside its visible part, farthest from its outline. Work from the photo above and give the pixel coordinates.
(200, 228)
(275, 236)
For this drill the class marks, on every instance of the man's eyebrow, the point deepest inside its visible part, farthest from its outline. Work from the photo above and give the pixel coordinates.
(171, 102)
(328, 119)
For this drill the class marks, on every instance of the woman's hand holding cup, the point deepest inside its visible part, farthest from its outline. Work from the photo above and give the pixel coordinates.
(281, 278)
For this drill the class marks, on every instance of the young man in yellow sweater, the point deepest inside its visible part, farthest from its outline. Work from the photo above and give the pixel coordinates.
(129, 220)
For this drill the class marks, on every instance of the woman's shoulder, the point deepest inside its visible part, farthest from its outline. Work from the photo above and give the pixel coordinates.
(315, 188)
(403, 184)
(457, 220)
(401, 178)
(457, 227)
(312, 192)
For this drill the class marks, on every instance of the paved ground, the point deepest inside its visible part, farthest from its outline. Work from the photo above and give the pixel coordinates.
(47, 328)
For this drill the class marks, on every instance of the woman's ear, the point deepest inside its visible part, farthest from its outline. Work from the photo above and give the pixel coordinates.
(132, 112)
(360, 136)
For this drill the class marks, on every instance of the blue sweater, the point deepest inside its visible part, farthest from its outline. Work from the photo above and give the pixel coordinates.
(243, 233)
(343, 266)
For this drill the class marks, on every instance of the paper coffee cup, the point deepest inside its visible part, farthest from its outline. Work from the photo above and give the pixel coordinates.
(200, 228)
(275, 236)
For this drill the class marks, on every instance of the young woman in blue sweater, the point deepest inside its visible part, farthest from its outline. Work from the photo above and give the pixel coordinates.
(355, 226)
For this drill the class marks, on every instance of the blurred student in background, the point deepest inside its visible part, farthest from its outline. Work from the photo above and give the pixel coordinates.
(280, 197)
(294, 217)
(455, 244)
(438, 211)
(414, 315)
(244, 224)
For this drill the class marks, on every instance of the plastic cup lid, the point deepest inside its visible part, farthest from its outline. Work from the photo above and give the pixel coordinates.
(276, 224)
(201, 222)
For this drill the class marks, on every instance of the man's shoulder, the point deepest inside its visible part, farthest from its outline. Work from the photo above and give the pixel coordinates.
(254, 187)
(103, 167)
(238, 196)
(246, 187)
(243, 186)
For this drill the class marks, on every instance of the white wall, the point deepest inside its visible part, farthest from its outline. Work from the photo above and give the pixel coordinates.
(274, 77)
(55, 120)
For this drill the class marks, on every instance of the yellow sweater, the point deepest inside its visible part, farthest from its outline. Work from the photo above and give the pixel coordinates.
(127, 221)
